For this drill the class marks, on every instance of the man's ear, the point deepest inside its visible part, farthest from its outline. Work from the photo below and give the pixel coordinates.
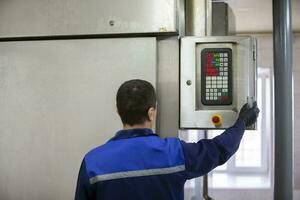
(151, 114)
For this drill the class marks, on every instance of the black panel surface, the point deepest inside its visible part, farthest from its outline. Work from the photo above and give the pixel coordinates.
(216, 76)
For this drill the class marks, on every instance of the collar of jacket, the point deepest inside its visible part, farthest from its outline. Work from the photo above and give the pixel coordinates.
(132, 133)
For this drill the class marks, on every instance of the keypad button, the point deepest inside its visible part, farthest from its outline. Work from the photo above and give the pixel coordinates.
(208, 86)
(221, 59)
(225, 59)
(215, 90)
(221, 65)
(219, 94)
(219, 78)
(224, 90)
(225, 86)
(215, 98)
(225, 54)
(213, 78)
(213, 86)
(208, 78)
(214, 82)
(208, 82)
(211, 90)
(207, 98)
(219, 82)
(225, 69)
(219, 86)
(225, 73)
(215, 94)
(221, 55)
(225, 64)
(225, 78)
(207, 90)
(221, 73)
(207, 94)
(221, 69)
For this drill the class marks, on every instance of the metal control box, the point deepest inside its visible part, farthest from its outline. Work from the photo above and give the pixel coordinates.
(217, 77)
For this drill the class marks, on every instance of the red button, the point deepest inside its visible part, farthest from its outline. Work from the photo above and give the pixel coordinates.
(216, 119)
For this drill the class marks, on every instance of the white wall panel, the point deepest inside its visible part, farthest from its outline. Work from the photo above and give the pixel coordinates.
(57, 101)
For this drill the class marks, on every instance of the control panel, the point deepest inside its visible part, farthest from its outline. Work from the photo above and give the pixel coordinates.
(216, 76)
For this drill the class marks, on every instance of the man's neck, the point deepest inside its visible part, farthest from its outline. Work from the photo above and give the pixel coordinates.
(145, 125)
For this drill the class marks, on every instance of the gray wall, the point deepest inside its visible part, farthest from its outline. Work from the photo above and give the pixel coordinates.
(57, 101)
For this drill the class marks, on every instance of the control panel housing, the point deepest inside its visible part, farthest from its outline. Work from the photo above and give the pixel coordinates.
(217, 76)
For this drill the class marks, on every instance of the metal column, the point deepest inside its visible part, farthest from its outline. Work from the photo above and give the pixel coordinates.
(282, 39)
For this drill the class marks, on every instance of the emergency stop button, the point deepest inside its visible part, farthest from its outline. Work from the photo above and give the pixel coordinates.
(216, 119)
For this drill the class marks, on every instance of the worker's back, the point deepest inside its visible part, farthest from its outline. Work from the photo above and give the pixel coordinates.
(138, 165)
(135, 164)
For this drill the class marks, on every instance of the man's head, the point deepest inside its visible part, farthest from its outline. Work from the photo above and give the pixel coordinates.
(136, 103)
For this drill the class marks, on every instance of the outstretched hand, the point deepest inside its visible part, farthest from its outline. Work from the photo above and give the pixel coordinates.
(249, 114)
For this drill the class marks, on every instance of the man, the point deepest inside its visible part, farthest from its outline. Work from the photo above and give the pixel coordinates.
(136, 164)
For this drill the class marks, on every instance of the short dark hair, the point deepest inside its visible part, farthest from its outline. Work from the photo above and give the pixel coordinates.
(134, 98)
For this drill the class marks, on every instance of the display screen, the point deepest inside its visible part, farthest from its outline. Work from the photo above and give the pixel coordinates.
(216, 76)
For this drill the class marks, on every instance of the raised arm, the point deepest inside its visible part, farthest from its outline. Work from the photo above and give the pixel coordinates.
(205, 155)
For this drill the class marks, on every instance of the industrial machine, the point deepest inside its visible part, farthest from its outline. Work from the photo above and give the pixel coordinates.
(217, 76)
(60, 74)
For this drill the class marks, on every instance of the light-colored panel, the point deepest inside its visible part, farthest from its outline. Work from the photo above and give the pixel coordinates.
(264, 51)
(296, 69)
(168, 87)
(69, 17)
(256, 16)
(57, 101)
(296, 195)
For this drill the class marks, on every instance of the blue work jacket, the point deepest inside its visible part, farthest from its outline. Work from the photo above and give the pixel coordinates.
(137, 164)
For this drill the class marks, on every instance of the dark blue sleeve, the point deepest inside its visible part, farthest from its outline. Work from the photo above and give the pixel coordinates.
(205, 155)
(84, 190)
